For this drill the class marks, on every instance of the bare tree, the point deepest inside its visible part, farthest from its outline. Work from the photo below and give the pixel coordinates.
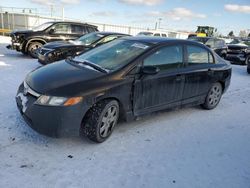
(231, 34)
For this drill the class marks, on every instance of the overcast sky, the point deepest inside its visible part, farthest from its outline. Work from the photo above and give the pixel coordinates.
(226, 15)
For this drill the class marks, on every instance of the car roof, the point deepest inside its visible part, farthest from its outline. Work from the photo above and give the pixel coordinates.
(71, 22)
(153, 40)
(112, 33)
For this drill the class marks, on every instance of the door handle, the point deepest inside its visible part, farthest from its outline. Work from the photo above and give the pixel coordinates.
(210, 71)
(179, 77)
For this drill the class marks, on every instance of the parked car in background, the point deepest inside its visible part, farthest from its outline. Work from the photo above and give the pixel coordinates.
(125, 78)
(154, 34)
(239, 52)
(28, 41)
(216, 44)
(55, 51)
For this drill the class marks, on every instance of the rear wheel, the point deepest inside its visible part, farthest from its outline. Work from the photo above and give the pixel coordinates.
(213, 96)
(100, 121)
(33, 47)
(247, 62)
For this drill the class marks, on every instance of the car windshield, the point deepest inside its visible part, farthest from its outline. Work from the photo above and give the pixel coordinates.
(145, 34)
(113, 55)
(42, 27)
(90, 38)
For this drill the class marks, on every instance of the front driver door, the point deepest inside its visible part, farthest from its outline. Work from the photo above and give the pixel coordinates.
(164, 89)
(61, 31)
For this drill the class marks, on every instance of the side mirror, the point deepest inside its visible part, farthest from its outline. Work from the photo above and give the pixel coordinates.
(51, 31)
(150, 70)
(209, 46)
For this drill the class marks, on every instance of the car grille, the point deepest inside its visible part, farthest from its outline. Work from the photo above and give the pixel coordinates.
(234, 51)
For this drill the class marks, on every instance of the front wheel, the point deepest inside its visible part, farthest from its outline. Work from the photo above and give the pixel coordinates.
(213, 96)
(33, 47)
(100, 121)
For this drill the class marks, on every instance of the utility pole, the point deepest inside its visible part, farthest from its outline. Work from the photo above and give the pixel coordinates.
(63, 12)
(51, 10)
(159, 25)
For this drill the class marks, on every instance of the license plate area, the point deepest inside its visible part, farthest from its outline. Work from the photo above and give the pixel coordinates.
(22, 102)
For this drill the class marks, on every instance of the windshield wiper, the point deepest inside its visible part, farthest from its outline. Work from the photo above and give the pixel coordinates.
(93, 65)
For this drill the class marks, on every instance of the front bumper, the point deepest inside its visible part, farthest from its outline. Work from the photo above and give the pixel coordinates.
(46, 56)
(14, 46)
(54, 121)
(238, 58)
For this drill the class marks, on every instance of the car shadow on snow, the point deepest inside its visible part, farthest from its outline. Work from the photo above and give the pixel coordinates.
(159, 117)
(24, 132)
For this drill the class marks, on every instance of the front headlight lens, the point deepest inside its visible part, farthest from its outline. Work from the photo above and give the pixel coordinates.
(58, 101)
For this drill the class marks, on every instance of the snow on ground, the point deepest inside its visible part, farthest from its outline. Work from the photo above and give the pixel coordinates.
(189, 147)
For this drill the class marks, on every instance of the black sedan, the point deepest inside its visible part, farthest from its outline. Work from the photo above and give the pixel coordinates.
(55, 51)
(125, 78)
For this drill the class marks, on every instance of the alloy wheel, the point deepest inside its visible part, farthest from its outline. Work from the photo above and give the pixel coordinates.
(214, 95)
(108, 121)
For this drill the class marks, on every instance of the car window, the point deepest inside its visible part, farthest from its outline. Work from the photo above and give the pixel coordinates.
(76, 29)
(90, 29)
(62, 28)
(198, 55)
(85, 30)
(210, 43)
(109, 38)
(219, 43)
(157, 34)
(163, 35)
(166, 58)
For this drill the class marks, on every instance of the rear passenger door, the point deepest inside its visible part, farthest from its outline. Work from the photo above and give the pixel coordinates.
(77, 31)
(199, 73)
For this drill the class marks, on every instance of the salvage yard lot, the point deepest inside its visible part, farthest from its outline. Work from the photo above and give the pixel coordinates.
(189, 147)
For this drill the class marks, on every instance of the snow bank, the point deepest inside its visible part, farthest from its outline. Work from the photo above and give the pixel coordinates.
(4, 39)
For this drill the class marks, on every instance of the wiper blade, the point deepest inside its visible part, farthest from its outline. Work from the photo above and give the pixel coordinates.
(93, 65)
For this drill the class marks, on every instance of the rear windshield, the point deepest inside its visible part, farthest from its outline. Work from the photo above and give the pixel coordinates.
(90, 38)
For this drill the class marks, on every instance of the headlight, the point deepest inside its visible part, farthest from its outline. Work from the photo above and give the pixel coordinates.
(58, 101)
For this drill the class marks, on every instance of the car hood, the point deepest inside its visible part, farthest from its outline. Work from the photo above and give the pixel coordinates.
(60, 44)
(62, 79)
(18, 32)
(237, 46)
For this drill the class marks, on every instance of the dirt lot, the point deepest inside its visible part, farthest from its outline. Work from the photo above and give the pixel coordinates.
(189, 147)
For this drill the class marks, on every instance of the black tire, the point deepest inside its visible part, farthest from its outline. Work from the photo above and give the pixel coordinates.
(33, 47)
(98, 124)
(24, 52)
(213, 97)
(247, 62)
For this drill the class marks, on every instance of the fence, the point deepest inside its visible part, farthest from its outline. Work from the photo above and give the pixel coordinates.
(12, 19)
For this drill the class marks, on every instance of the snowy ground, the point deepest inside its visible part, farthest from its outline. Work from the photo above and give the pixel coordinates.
(189, 147)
